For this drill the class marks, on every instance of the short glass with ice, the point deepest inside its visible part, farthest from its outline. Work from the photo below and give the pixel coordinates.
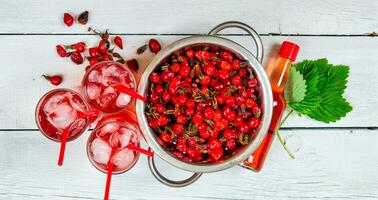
(59, 111)
(112, 143)
(101, 83)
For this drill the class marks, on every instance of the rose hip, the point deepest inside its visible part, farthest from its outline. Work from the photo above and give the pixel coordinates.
(154, 45)
(68, 19)
(118, 41)
(55, 80)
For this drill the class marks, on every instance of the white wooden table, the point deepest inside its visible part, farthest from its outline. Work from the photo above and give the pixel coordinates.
(334, 161)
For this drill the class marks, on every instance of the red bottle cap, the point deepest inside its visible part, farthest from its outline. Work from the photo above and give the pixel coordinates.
(289, 50)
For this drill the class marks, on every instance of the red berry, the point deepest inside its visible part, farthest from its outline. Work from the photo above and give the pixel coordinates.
(55, 80)
(118, 41)
(226, 56)
(83, 18)
(77, 58)
(80, 47)
(190, 53)
(166, 137)
(238, 121)
(214, 144)
(133, 64)
(68, 19)
(205, 80)
(105, 56)
(184, 71)
(202, 55)
(181, 119)
(244, 127)
(175, 67)
(249, 103)
(225, 65)
(252, 83)
(155, 77)
(178, 129)
(162, 120)
(223, 74)
(204, 134)
(159, 89)
(181, 147)
(61, 51)
(93, 52)
(236, 80)
(215, 153)
(154, 98)
(228, 134)
(209, 69)
(208, 113)
(167, 75)
(190, 103)
(154, 45)
(253, 123)
(235, 65)
(231, 144)
(189, 111)
(197, 118)
(92, 60)
(228, 113)
(190, 151)
(103, 46)
(166, 97)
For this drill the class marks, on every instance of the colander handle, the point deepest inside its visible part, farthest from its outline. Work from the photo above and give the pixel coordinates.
(255, 36)
(169, 182)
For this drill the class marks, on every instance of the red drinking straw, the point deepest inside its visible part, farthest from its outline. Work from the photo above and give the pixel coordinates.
(63, 142)
(109, 175)
(140, 150)
(129, 91)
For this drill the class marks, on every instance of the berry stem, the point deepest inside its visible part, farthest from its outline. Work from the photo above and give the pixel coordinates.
(63, 142)
(280, 137)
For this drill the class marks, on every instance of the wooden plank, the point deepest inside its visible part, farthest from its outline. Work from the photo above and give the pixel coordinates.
(330, 164)
(167, 17)
(33, 55)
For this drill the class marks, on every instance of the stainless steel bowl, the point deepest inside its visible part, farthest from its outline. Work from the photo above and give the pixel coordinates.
(264, 92)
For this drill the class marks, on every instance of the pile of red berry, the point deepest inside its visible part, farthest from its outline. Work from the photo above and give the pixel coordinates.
(203, 104)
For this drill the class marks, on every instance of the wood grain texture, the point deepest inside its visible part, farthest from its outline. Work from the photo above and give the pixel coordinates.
(332, 164)
(24, 59)
(193, 16)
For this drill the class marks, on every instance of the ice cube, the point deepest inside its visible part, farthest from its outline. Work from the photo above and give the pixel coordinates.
(112, 75)
(53, 102)
(123, 159)
(101, 151)
(107, 129)
(62, 116)
(123, 100)
(95, 76)
(77, 103)
(93, 91)
(107, 97)
(114, 140)
(125, 135)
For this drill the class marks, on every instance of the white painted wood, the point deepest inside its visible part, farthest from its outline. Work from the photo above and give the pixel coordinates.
(24, 59)
(194, 16)
(330, 164)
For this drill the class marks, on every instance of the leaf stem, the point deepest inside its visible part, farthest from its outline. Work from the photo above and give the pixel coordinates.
(280, 137)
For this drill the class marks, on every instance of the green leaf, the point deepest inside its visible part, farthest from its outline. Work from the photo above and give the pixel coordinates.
(331, 109)
(295, 89)
(325, 85)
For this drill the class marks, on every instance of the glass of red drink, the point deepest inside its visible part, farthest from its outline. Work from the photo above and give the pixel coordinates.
(59, 110)
(101, 82)
(112, 142)
(62, 115)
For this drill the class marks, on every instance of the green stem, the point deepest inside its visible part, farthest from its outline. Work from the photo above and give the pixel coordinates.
(280, 137)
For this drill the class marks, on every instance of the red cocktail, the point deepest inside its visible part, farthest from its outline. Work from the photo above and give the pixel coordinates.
(113, 147)
(61, 116)
(101, 86)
